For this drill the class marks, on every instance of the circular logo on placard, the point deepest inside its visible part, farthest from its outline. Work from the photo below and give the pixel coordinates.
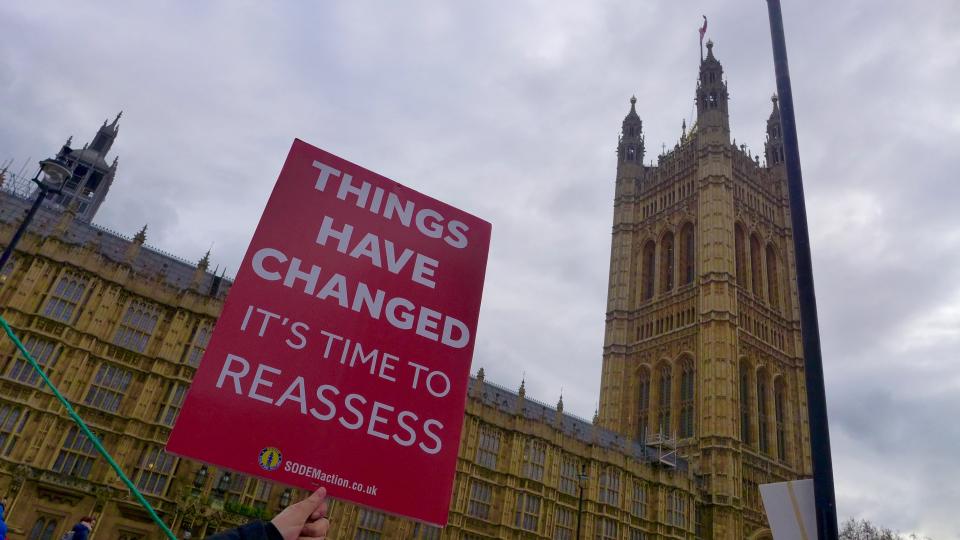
(270, 458)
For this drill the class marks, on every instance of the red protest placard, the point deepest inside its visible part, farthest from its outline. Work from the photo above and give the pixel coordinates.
(342, 355)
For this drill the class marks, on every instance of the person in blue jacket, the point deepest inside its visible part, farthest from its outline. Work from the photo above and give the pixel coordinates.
(305, 519)
(3, 523)
(81, 530)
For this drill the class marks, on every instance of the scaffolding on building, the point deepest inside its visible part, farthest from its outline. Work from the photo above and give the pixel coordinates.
(666, 449)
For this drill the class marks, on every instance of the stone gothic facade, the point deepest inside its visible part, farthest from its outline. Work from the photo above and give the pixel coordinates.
(702, 346)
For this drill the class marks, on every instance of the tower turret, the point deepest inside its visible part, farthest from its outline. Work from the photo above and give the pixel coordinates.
(91, 177)
(631, 136)
(105, 136)
(774, 146)
(712, 96)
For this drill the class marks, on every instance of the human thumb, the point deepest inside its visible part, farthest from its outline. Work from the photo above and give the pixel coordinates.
(294, 517)
(304, 508)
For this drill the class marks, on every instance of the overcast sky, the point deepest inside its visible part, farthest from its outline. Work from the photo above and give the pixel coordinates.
(510, 110)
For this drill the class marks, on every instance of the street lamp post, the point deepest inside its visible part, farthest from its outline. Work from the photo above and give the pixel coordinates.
(220, 491)
(824, 496)
(56, 173)
(223, 485)
(581, 480)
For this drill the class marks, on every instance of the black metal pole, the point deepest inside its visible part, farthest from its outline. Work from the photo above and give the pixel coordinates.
(8, 251)
(825, 500)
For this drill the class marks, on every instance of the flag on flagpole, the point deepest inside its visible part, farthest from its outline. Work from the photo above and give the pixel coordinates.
(703, 29)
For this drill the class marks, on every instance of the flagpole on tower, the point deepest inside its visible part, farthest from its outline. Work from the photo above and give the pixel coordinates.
(703, 31)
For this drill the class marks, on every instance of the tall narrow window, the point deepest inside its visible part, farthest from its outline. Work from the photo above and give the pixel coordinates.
(528, 512)
(480, 500)
(773, 290)
(77, 455)
(647, 271)
(563, 523)
(138, 323)
(639, 504)
(762, 408)
(198, 343)
(686, 399)
(12, 420)
(677, 509)
(7, 271)
(643, 406)
(666, 262)
(422, 531)
(43, 528)
(108, 388)
(610, 486)
(370, 525)
(488, 448)
(756, 262)
(740, 254)
(606, 529)
(172, 402)
(687, 254)
(744, 402)
(663, 418)
(534, 457)
(154, 470)
(44, 351)
(65, 297)
(780, 413)
(569, 475)
(751, 493)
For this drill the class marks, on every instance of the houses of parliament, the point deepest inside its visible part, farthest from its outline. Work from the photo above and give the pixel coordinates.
(702, 393)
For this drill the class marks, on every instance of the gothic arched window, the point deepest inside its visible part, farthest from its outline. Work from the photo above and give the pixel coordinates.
(756, 261)
(666, 262)
(647, 269)
(773, 290)
(780, 413)
(631, 153)
(687, 254)
(686, 398)
(744, 402)
(643, 405)
(740, 254)
(762, 411)
(663, 419)
(43, 528)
